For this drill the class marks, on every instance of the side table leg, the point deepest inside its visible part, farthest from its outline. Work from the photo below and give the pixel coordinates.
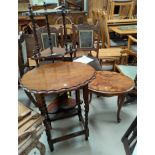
(86, 106)
(120, 102)
(43, 109)
(78, 103)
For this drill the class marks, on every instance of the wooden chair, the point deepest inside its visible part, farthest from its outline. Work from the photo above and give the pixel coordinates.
(129, 139)
(125, 9)
(106, 40)
(85, 40)
(23, 61)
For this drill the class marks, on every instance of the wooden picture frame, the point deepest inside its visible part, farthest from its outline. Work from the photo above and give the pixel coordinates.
(86, 38)
(45, 40)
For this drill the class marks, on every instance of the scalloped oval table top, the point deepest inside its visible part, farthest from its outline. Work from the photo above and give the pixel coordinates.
(57, 77)
(107, 82)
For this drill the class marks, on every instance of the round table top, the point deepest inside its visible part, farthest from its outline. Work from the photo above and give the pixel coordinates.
(57, 77)
(111, 83)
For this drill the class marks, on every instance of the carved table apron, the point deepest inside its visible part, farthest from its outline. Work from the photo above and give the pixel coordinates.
(57, 78)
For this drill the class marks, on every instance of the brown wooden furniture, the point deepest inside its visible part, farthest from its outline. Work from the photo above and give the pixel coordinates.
(57, 78)
(125, 9)
(108, 57)
(86, 38)
(55, 39)
(129, 139)
(30, 129)
(124, 29)
(132, 43)
(105, 34)
(112, 84)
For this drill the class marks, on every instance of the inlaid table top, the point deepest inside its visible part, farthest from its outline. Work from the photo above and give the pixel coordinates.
(57, 77)
(112, 83)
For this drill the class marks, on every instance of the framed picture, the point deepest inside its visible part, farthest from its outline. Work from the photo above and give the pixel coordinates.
(86, 38)
(45, 40)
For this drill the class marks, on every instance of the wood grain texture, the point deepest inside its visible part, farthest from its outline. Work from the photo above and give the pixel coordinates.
(57, 77)
(111, 83)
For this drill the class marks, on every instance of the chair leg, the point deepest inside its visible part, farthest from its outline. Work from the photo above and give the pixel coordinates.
(41, 147)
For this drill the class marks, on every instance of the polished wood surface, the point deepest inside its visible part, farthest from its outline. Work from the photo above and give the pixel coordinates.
(124, 31)
(111, 83)
(57, 77)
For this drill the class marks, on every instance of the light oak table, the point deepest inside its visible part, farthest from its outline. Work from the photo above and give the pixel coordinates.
(56, 78)
(112, 84)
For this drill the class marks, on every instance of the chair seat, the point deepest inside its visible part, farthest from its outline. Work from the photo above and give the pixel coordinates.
(117, 42)
(130, 71)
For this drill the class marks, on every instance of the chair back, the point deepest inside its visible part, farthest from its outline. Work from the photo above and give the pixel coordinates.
(129, 139)
(86, 37)
(56, 37)
(22, 54)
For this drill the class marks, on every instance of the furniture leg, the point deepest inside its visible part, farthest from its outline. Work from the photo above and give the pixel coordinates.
(90, 96)
(40, 146)
(78, 103)
(43, 108)
(86, 106)
(31, 98)
(120, 102)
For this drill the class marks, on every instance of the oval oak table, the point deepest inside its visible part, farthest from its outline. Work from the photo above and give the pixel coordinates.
(57, 78)
(112, 84)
